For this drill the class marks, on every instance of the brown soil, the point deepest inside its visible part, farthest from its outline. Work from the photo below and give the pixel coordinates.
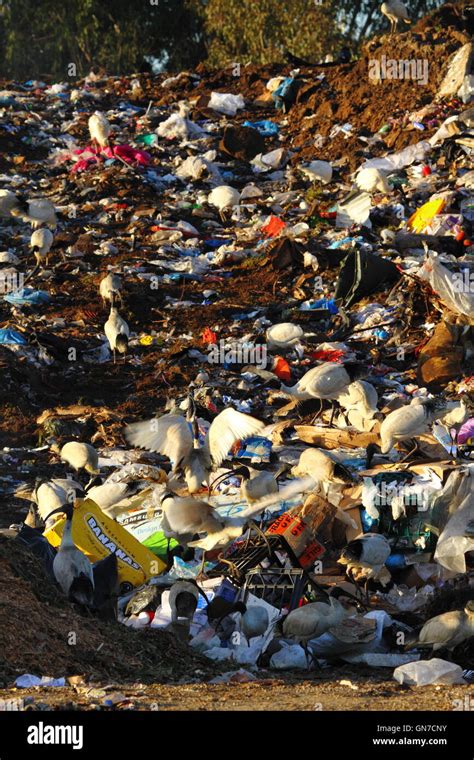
(290, 691)
(36, 622)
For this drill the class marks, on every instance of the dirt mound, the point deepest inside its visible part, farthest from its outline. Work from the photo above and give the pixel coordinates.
(449, 15)
(36, 623)
(348, 95)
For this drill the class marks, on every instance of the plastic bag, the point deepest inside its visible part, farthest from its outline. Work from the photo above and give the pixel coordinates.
(289, 657)
(355, 209)
(450, 287)
(266, 162)
(266, 127)
(11, 337)
(28, 680)
(363, 273)
(28, 296)
(453, 543)
(284, 95)
(226, 103)
(427, 672)
(395, 161)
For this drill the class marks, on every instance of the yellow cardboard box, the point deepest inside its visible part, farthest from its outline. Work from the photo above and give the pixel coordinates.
(97, 535)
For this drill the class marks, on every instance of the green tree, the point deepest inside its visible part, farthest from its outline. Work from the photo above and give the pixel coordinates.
(43, 37)
(246, 31)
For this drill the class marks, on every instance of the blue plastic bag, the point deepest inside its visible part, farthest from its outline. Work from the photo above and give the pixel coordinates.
(28, 296)
(266, 127)
(11, 337)
(283, 95)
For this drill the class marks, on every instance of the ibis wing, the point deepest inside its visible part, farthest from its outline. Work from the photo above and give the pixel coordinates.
(228, 427)
(169, 435)
(110, 332)
(331, 380)
(440, 629)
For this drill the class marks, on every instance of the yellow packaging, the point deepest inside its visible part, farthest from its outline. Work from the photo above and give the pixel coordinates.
(425, 214)
(97, 535)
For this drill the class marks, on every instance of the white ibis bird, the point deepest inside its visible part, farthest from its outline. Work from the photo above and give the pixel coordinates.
(326, 381)
(446, 631)
(254, 622)
(52, 494)
(171, 435)
(322, 466)
(395, 11)
(71, 568)
(255, 485)
(224, 198)
(81, 456)
(117, 332)
(185, 516)
(114, 497)
(99, 129)
(108, 495)
(183, 600)
(372, 180)
(36, 211)
(284, 336)
(365, 558)
(109, 288)
(410, 421)
(312, 620)
(359, 400)
(41, 211)
(12, 205)
(40, 243)
(317, 171)
(457, 412)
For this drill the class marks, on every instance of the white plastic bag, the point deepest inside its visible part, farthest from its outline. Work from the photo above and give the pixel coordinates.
(395, 161)
(289, 657)
(451, 287)
(453, 544)
(226, 103)
(426, 672)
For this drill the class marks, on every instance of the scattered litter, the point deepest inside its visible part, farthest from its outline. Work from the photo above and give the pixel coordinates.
(236, 350)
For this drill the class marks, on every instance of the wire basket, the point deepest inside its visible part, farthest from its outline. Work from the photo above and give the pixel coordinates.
(279, 587)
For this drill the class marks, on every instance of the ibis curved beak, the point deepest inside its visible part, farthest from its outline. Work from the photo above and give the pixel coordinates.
(239, 472)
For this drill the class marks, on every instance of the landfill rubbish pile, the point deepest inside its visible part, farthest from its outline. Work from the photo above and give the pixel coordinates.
(236, 350)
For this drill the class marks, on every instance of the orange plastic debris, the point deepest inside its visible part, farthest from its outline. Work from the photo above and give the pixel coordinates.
(274, 227)
(208, 336)
(282, 369)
